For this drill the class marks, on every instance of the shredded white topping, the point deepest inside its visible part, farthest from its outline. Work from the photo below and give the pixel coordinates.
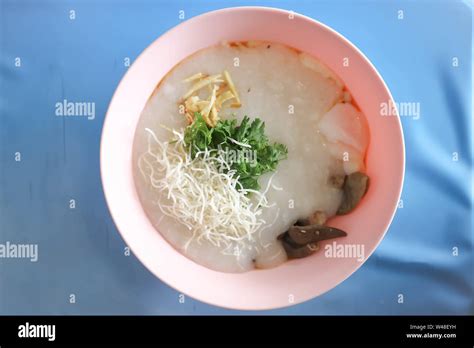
(239, 143)
(210, 203)
(277, 188)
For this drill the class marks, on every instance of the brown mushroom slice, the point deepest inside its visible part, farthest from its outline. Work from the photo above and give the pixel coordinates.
(294, 251)
(302, 235)
(355, 187)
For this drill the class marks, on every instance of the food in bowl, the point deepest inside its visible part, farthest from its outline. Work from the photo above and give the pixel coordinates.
(244, 152)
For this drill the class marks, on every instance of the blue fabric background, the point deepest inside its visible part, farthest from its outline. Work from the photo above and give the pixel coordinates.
(80, 251)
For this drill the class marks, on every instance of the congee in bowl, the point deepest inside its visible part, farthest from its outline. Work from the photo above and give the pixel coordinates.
(244, 152)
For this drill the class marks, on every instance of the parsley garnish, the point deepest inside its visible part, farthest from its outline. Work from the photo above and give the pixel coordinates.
(232, 138)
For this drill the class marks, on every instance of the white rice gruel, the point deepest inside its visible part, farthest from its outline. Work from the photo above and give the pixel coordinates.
(304, 105)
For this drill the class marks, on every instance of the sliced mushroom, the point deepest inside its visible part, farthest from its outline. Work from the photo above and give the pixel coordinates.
(295, 251)
(355, 187)
(302, 235)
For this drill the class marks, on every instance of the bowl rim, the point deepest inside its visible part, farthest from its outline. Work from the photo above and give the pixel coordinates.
(202, 16)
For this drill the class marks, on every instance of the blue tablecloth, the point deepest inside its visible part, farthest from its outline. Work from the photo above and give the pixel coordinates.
(49, 53)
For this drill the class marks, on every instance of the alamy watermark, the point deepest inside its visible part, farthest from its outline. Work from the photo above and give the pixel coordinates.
(232, 156)
(28, 330)
(345, 251)
(80, 109)
(405, 109)
(21, 251)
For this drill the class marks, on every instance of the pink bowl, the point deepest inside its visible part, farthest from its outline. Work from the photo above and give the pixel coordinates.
(295, 281)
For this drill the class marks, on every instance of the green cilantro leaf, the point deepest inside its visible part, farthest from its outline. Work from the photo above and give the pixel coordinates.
(229, 136)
